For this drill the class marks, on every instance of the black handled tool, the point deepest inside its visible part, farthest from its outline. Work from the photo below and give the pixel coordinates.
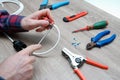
(17, 44)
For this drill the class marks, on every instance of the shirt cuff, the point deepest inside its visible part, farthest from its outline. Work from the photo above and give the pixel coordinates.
(1, 78)
(14, 23)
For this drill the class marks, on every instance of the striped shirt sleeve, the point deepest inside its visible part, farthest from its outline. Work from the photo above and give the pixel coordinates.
(10, 23)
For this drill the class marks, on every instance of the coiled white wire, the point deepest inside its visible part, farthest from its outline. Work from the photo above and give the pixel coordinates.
(48, 51)
(17, 2)
(18, 12)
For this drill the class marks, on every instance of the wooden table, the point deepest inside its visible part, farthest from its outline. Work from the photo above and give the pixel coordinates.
(55, 66)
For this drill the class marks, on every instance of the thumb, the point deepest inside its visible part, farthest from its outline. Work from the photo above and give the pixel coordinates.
(30, 49)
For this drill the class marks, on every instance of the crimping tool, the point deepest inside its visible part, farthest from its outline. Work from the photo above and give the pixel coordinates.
(76, 61)
(44, 5)
(95, 40)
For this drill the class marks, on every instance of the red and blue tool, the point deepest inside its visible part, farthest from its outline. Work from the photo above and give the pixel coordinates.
(76, 16)
(95, 40)
(45, 5)
(76, 61)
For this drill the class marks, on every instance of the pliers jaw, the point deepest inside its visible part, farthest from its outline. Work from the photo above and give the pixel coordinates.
(75, 60)
(96, 42)
(45, 7)
(90, 45)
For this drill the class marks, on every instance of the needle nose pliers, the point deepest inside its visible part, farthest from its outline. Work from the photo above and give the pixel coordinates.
(44, 5)
(95, 40)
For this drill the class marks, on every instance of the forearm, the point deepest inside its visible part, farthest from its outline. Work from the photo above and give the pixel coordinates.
(10, 23)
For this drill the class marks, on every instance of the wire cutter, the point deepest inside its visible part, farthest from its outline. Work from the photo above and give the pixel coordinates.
(95, 40)
(76, 61)
(44, 5)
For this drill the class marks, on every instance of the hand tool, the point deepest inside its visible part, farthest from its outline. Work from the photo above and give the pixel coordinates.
(44, 5)
(17, 44)
(95, 40)
(73, 17)
(76, 61)
(97, 25)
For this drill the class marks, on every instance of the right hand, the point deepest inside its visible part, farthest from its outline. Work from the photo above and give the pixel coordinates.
(20, 65)
(36, 20)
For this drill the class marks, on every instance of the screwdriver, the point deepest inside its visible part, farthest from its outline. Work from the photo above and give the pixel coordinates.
(97, 25)
(17, 44)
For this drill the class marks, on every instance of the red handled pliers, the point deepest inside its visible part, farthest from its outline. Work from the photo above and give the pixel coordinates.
(76, 61)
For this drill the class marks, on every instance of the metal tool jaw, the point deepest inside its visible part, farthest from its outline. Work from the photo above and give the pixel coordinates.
(90, 45)
(76, 61)
(45, 7)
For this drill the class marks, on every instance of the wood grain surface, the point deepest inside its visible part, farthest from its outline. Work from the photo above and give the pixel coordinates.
(54, 66)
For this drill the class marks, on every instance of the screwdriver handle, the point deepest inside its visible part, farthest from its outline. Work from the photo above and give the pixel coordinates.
(100, 25)
(19, 45)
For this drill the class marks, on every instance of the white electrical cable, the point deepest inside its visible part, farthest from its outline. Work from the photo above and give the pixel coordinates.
(17, 2)
(48, 51)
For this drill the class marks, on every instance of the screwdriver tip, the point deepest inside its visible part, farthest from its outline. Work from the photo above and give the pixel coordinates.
(73, 31)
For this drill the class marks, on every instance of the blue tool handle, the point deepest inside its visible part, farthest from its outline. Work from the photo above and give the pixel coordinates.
(44, 3)
(106, 41)
(59, 4)
(99, 35)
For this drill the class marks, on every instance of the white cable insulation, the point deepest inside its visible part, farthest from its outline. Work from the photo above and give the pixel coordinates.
(17, 2)
(44, 36)
(47, 52)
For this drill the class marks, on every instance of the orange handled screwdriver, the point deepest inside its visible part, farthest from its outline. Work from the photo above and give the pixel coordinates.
(97, 25)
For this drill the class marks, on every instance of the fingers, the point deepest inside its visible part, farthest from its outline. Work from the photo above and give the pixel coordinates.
(37, 19)
(46, 13)
(40, 29)
(30, 49)
(37, 23)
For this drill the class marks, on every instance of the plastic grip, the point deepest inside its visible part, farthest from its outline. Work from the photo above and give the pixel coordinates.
(59, 4)
(73, 17)
(106, 41)
(91, 62)
(44, 3)
(99, 35)
(79, 73)
(100, 25)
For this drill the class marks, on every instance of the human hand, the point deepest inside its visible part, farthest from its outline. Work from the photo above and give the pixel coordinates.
(19, 66)
(35, 20)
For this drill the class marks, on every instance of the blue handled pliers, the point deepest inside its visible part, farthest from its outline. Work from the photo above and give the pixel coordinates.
(44, 5)
(95, 40)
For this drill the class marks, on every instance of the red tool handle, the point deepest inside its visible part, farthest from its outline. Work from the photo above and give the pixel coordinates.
(73, 17)
(79, 73)
(89, 61)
